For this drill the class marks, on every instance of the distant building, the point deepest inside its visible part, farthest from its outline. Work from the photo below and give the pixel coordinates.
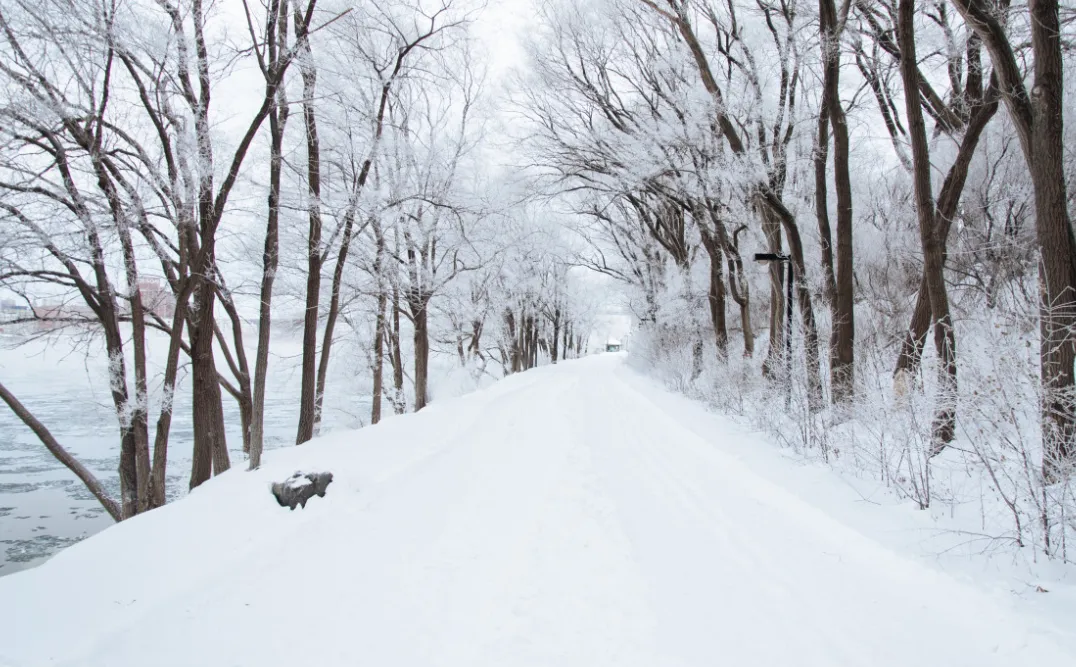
(11, 310)
(158, 297)
(16, 316)
(612, 345)
(13, 315)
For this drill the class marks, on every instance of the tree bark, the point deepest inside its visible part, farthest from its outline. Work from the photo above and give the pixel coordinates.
(379, 359)
(278, 119)
(208, 417)
(308, 391)
(379, 327)
(399, 406)
(716, 296)
(911, 349)
(554, 341)
(1039, 123)
(740, 291)
(842, 345)
(334, 312)
(821, 207)
(944, 426)
(422, 349)
(237, 362)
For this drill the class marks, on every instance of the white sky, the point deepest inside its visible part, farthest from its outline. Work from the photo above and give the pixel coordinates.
(500, 26)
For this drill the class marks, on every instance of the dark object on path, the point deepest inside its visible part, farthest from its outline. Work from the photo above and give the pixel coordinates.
(301, 487)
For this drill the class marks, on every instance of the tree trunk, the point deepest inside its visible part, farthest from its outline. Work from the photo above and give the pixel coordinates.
(1039, 122)
(554, 346)
(379, 329)
(237, 361)
(513, 350)
(208, 418)
(741, 292)
(379, 358)
(476, 338)
(398, 403)
(278, 119)
(821, 207)
(717, 294)
(330, 319)
(134, 464)
(422, 350)
(911, 348)
(1057, 271)
(308, 391)
(842, 346)
(944, 425)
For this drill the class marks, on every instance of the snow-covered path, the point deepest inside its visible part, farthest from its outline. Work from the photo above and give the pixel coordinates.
(563, 517)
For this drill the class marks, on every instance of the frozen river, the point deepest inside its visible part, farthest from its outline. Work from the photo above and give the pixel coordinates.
(43, 506)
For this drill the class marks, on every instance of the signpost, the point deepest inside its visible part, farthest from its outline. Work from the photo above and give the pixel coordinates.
(777, 257)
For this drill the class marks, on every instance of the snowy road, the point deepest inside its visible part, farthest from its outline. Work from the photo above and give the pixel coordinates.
(564, 517)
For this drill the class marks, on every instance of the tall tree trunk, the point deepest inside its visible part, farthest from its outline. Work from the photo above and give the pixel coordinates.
(475, 348)
(134, 443)
(944, 425)
(554, 342)
(379, 329)
(134, 453)
(740, 291)
(398, 403)
(139, 412)
(330, 319)
(278, 119)
(207, 417)
(510, 323)
(379, 359)
(158, 475)
(842, 346)
(911, 348)
(308, 391)
(821, 207)
(1057, 270)
(207, 409)
(716, 295)
(419, 307)
(237, 362)
(1039, 122)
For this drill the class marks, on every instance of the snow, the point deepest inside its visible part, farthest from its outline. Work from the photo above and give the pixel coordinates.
(297, 480)
(569, 515)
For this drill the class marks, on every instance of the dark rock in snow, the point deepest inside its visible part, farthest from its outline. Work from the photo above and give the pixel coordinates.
(301, 487)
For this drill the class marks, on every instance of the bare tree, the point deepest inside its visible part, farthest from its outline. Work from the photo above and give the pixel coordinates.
(930, 236)
(1037, 116)
(269, 60)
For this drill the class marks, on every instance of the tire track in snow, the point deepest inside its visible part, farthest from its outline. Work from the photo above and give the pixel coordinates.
(686, 556)
(841, 595)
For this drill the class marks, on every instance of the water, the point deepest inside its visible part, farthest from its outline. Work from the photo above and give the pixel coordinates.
(45, 508)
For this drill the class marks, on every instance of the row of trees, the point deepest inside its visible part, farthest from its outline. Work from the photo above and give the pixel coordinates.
(682, 127)
(136, 139)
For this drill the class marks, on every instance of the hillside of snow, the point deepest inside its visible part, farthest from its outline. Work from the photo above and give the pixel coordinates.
(570, 515)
